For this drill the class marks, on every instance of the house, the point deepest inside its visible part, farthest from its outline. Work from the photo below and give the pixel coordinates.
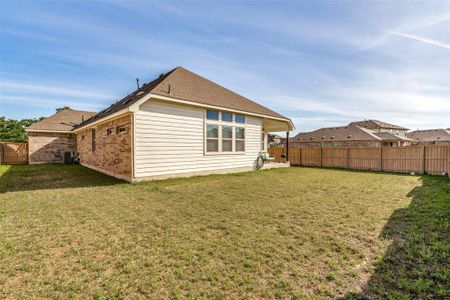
(176, 125)
(376, 126)
(430, 136)
(51, 137)
(276, 140)
(367, 133)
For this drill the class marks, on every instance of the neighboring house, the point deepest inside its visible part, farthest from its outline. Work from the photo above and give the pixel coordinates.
(376, 126)
(178, 124)
(276, 140)
(51, 137)
(370, 133)
(430, 136)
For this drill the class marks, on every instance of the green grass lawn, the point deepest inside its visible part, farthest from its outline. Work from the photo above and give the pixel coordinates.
(67, 231)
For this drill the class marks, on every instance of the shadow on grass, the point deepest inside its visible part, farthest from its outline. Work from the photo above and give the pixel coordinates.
(50, 176)
(416, 264)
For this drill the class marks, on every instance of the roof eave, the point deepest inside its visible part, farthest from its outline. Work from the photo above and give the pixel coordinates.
(47, 130)
(135, 107)
(112, 116)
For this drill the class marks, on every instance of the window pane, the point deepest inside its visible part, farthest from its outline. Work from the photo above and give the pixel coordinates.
(212, 131)
(240, 133)
(227, 117)
(240, 119)
(227, 145)
(239, 145)
(227, 132)
(212, 145)
(212, 115)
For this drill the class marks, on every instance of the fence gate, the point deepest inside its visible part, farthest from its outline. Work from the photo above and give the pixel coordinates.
(13, 153)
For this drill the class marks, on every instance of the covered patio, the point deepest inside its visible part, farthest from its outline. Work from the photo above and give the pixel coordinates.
(276, 126)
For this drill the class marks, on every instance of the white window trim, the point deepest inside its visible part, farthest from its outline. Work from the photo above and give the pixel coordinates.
(220, 123)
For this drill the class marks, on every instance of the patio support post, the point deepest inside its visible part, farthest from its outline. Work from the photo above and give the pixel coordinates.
(287, 146)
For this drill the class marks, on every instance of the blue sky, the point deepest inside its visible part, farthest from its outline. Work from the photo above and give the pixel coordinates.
(319, 63)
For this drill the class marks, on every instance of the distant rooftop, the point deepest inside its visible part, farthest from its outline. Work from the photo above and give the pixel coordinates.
(346, 133)
(376, 124)
(430, 135)
(64, 120)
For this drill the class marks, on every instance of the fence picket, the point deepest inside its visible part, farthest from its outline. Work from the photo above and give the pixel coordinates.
(417, 159)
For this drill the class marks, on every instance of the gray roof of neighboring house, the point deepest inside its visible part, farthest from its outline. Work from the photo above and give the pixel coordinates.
(375, 124)
(183, 84)
(429, 135)
(64, 120)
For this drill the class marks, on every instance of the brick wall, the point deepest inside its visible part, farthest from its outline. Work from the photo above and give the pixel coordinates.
(113, 149)
(49, 147)
(316, 144)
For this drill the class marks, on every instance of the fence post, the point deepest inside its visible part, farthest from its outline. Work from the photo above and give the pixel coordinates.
(347, 158)
(423, 160)
(448, 161)
(321, 156)
(381, 158)
(300, 156)
(1, 153)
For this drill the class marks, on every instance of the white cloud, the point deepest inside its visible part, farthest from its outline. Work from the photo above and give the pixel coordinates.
(50, 102)
(421, 39)
(63, 91)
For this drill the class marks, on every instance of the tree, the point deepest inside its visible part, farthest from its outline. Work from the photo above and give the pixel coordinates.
(58, 109)
(14, 130)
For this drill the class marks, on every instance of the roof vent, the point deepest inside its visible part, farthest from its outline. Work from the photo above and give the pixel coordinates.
(161, 75)
(323, 137)
(312, 138)
(140, 93)
(332, 137)
(349, 136)
(128, 100)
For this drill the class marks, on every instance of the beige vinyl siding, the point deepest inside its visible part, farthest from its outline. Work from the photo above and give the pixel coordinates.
(169, 140)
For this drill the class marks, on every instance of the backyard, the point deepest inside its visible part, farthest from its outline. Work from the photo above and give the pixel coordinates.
(70, 232)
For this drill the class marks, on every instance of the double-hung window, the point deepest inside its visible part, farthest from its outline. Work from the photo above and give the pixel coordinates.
(212, 138)
(225, 132)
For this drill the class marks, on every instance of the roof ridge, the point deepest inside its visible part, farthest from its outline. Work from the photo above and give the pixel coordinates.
(221, 86)
(125, 99)
(369, 132)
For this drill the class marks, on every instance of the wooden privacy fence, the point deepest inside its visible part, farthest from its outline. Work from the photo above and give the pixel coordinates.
(418, 159)
(13, 153)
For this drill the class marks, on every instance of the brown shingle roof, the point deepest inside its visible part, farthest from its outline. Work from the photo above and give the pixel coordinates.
(64, 120)
(375, 124)
(185, 85)
(387, 136)
(429, 135)
(127, 100)
(343, 133)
